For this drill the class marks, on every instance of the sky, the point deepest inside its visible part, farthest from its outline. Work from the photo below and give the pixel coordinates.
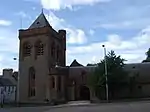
(121, 25)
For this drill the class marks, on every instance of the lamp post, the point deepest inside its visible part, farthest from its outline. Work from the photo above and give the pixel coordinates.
(106, 74)
(2, 97)
(18, 79)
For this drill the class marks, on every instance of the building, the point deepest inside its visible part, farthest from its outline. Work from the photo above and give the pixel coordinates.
(8, 86)
(43, 74)
(41, 47)
(11, 75)
(7, 90)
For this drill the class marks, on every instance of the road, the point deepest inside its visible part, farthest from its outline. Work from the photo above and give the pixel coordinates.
(111, 107)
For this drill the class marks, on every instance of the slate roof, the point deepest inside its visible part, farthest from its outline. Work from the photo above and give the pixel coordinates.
(75, 63)
(40, 22)
(5, 82)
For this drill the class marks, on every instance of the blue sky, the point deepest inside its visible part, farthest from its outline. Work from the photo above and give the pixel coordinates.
(122, 25)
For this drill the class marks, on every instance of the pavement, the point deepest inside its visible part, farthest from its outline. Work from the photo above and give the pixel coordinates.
(85, 106)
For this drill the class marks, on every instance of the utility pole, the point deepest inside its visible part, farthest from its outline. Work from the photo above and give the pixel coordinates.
(106, 74)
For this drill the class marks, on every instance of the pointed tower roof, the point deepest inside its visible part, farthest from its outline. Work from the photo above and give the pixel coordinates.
(75, 63)
(41, 21)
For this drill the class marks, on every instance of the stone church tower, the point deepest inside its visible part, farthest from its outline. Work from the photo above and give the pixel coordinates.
(41, 48)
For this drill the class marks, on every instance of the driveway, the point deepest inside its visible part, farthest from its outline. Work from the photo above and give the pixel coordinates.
(143, 106)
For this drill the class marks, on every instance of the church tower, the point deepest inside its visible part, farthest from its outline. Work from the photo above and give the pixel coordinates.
(41, 48)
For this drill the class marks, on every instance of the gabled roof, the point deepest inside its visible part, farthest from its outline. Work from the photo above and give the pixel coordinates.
(41, 21)
(5, 82)
(75, 63)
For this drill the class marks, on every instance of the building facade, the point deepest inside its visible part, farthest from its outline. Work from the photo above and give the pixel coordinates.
(8, 86)
(8, 91)
(41, 48)
(43, 74)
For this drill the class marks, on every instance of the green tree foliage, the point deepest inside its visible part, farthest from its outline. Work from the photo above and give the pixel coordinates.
(91, 64)
(148, 56)
(117, 77)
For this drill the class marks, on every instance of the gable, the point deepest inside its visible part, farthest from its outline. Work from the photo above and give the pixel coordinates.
(75, 63)
(40, 22)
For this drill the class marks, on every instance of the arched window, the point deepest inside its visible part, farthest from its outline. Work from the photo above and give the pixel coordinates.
(39, 48)
(57, 54)
(59, 83)
(31, 82)
(83, 76)
(52, 82)
(53, 49)
(26, 49)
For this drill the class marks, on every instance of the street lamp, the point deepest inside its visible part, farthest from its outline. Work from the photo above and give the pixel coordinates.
(106, 74)
(18, 79)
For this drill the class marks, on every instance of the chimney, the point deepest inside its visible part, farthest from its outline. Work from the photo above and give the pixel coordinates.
(62, 34)
(7, 73)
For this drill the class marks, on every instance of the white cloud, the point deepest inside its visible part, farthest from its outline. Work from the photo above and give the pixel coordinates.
(9, 43)
(55, 22)
(5, 22)
(91, 32)
(74, 35)
(61, 4)
(22, 15)
(138, 23)
(132, 49)
(34, 8)
(114, 39)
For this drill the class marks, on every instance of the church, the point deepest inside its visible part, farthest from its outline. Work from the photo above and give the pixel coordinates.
(43, 74)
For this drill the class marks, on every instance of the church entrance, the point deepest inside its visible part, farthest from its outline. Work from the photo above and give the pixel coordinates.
(84, 93)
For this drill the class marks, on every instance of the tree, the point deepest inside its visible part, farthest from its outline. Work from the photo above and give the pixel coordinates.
(148, 56)
(117, 77)
(91, 64)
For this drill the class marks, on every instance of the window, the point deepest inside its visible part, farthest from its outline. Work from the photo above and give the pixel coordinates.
(31, 82)
(57, 55)
(53, 49)
(52, 82)
(83, 73)
(26, 49)
(39, 48)
(140, 87)
(32, 91)
(5, 88)
(9, 88)
(59, 83)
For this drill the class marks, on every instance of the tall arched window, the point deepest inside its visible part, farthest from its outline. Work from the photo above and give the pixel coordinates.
(53, 49)
(59, 83)
(83, 76)
(57, 54)
(52, 82)
(39, 48)
(26, 49)
(31, 82)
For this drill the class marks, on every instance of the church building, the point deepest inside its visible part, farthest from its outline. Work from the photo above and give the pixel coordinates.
(44, 76)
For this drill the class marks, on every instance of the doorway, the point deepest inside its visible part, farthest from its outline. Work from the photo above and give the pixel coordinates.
(84, 93)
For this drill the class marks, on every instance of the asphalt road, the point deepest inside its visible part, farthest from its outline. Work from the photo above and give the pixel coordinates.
(111, 107)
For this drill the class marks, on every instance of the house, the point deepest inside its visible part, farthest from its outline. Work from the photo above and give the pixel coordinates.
(8, 85)
(11, 75)
(7, 90)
